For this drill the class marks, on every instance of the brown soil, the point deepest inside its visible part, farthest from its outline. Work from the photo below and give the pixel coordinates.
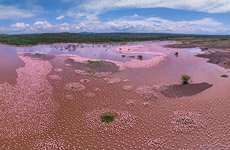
(220, 58)
(184, 89)
(204, 43)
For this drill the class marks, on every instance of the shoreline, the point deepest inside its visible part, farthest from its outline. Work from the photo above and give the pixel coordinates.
(218, 56)
(217, 53)
(87, 43)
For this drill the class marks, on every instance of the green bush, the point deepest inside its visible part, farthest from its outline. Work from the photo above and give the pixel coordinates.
(185, 79)
(107, 118)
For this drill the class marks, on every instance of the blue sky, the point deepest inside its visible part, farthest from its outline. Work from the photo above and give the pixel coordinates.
(160, 16)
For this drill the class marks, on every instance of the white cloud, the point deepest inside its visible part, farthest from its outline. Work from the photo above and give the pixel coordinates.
(87, 15)
(60, 17)
(128, 24)
(210, 6)
(154, 24)
(64, 27)
(19, 27)
(13, 12)
(42, 25)
(37, 27)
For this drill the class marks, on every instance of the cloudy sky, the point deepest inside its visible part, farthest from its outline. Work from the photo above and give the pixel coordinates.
(161, 16)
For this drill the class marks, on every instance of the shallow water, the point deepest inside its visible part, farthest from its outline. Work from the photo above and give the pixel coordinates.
(9, 62)
(98, 51)
(67, 114)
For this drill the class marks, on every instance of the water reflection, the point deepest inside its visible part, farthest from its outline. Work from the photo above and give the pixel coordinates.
(9, 62)
(104, 52)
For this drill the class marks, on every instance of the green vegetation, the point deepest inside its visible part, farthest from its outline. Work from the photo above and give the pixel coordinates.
(185, 79)
(94, 63)
(100, 66)
(93, 67)
(48, 38)
(107, 118)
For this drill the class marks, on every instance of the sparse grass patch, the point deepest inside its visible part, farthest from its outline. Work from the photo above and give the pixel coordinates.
(91, 62)
(108, 117)
(93, 67)
(100, 66)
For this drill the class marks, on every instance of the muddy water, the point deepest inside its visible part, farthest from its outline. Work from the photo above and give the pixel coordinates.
(9, 62)
(145, 120)
(98, 51)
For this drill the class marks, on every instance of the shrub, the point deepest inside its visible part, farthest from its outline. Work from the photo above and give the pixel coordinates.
(107, 118)
(185, 79)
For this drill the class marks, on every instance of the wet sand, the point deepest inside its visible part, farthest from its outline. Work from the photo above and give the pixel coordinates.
(73, 102)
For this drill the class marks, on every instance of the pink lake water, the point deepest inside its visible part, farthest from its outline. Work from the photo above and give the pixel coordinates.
(9, 62)
(53, 106)
(98, 51)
